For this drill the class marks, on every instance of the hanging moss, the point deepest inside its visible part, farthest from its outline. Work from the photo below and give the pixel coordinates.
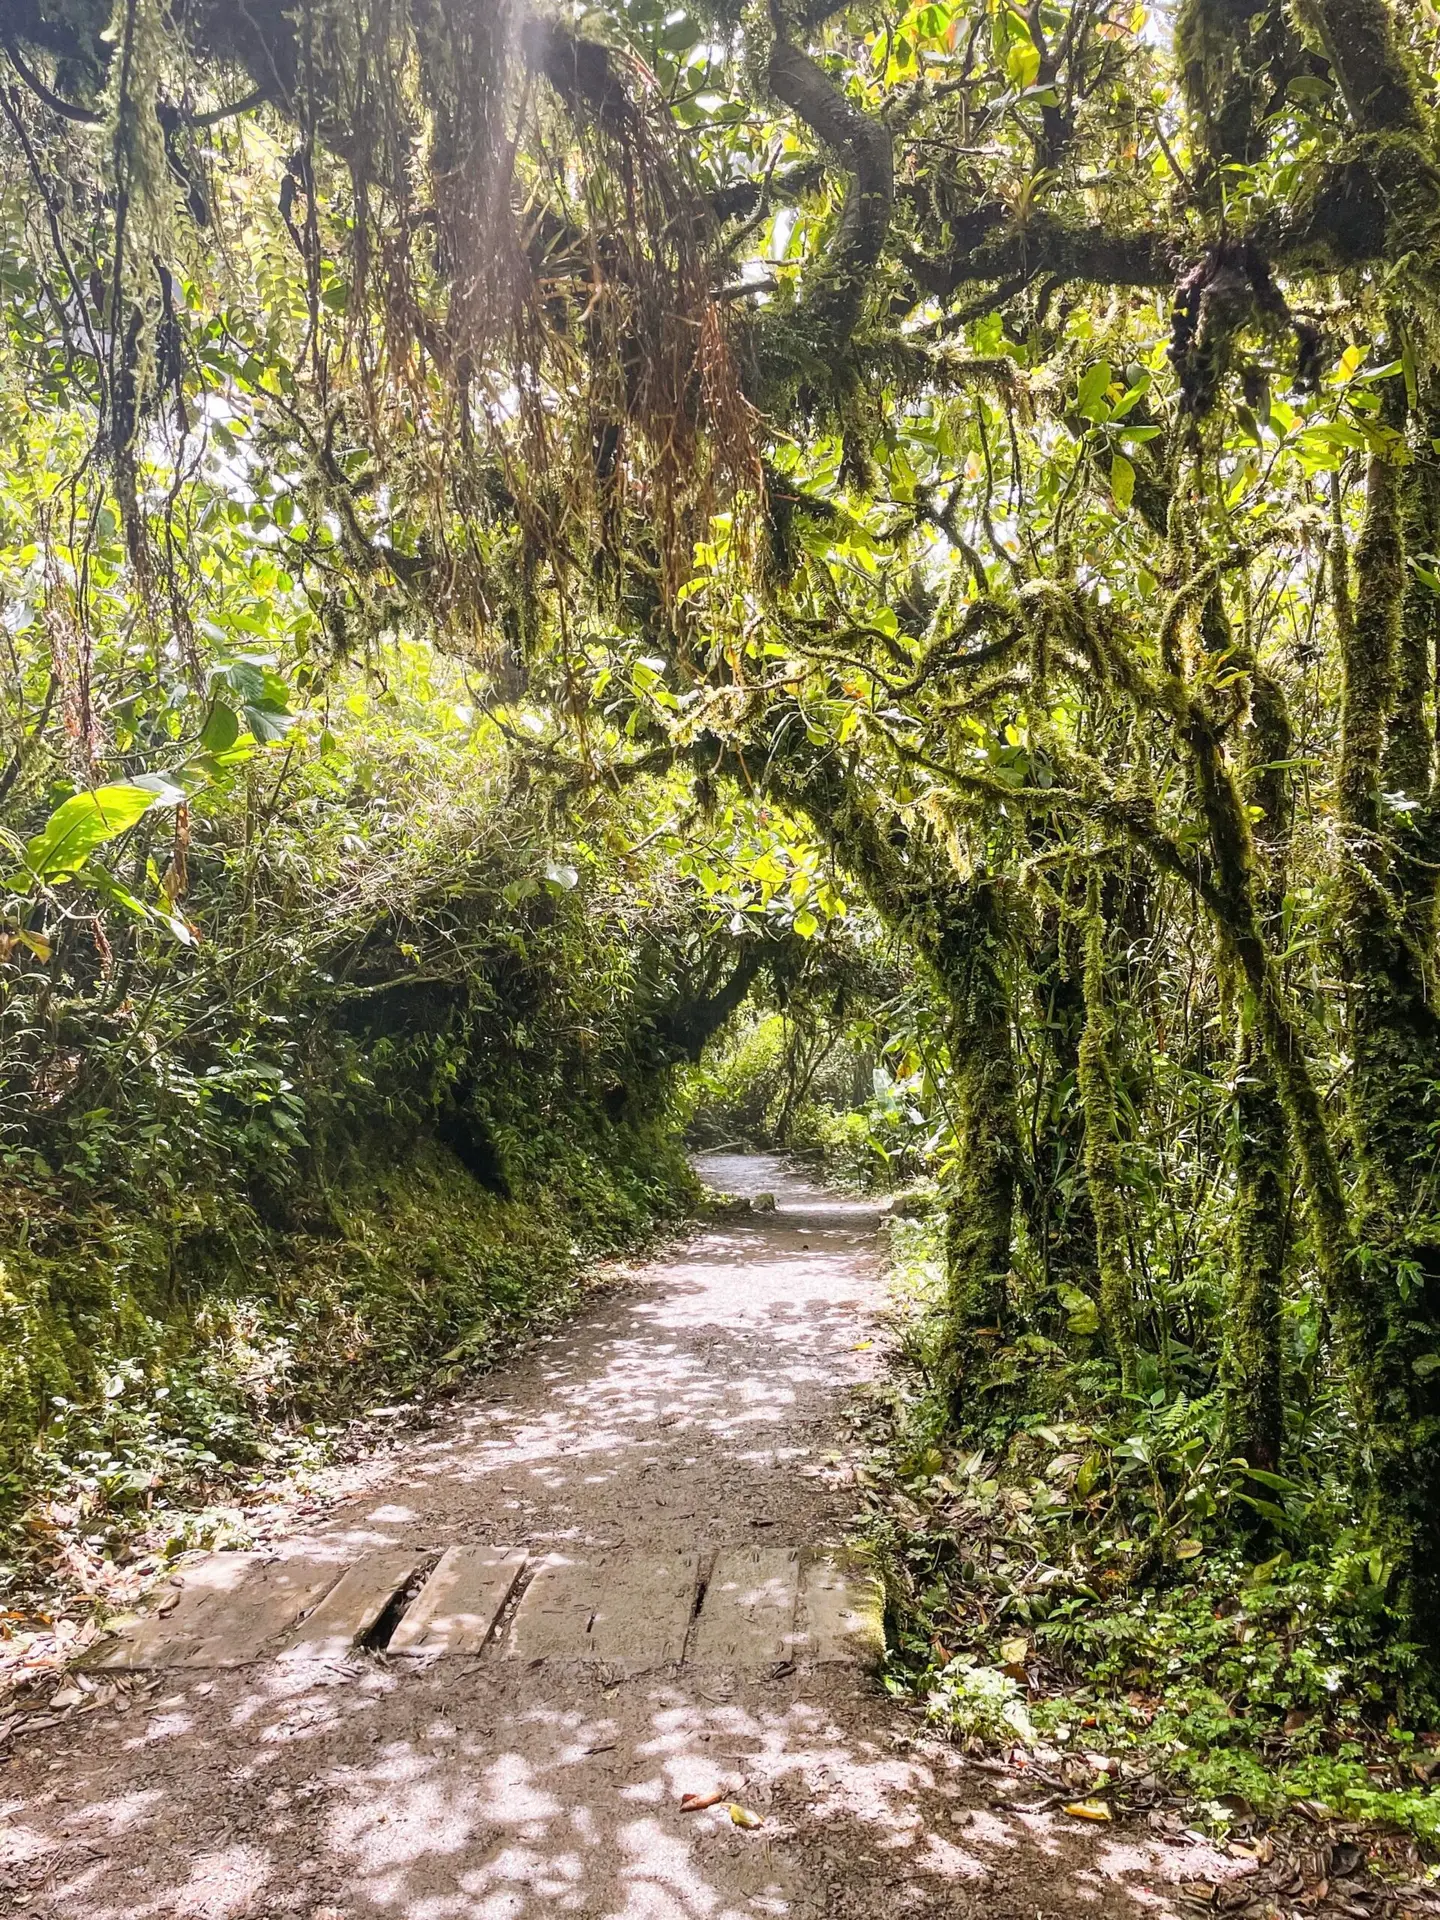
(1410, 735)
(1235, 61)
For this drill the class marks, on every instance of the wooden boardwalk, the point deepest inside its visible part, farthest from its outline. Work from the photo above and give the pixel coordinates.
(745, 1609)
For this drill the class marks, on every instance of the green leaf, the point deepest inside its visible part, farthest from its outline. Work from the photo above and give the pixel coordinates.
(1267, 1508)
(268, 723)
(221, 729)
(1088, 1476)
(1122, 481)
(806, 925)
(84, 822)
(680, 35)
(1276, 1481)
(1084, 1314)
(1022, 64)
(1094, 384)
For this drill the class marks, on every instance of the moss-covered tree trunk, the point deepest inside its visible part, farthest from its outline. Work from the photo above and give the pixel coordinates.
(957, 928)
(967, 958)
(1104, 1172)
(1386, 953)
(1253, 1361)
(1253, 1364)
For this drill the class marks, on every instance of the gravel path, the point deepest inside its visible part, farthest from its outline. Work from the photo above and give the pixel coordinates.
(700, 1407)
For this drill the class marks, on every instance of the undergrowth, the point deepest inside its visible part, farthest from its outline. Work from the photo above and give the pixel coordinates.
(144, 1398)
(1076, 1574)
(410, 1070)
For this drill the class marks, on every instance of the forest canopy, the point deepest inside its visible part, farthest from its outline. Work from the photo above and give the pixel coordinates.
(972, 468)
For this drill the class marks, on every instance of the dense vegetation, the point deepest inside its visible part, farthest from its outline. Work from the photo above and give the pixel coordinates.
(979, 461)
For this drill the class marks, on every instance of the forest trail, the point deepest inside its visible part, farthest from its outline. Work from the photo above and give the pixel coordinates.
(697, 1411)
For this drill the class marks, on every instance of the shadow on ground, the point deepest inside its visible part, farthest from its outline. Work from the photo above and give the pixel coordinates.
(704, 1407)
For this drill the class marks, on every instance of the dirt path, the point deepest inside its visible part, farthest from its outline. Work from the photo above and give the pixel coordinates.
(700, 1408)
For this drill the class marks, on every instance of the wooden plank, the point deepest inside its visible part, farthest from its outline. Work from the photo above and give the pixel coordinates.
(552, 1621)
(460, 1602)
(748, 1615)
(230, 1609)
(352, 1606)
(842, 1601)
(629, 1611)
(154, 1638)
(643, 1611)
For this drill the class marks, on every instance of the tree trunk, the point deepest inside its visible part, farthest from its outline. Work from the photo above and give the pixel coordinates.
(1254, 1403)
(1103, 1171)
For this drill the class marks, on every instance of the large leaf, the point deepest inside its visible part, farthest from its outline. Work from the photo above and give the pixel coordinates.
(1090, 396)
(84, 822)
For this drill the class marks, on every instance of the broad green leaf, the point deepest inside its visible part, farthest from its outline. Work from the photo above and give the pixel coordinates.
(268, 723)
(1083, 1314)
(1022, 64)
(1122, 481)
(84, 822)
(1088, 1477)
(1094, 384)
(221, 729)
(1277, 1481)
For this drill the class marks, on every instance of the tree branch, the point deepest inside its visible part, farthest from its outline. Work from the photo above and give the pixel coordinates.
(835, 289)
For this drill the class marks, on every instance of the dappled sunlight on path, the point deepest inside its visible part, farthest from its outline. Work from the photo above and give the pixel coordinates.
(700, 1409)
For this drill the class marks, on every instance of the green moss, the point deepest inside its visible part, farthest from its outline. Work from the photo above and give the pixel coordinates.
(1259, 1229)
(140, 1366)
(1376, 74)
(1104, 1174)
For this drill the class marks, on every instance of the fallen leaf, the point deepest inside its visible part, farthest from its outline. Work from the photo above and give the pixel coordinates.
(743, 1817)
(1316, 1810)
(1189, 1549)
(697, 1802)
(1013, 1651)
(1088, 1810)
(861, 1345)
(65, 1697)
